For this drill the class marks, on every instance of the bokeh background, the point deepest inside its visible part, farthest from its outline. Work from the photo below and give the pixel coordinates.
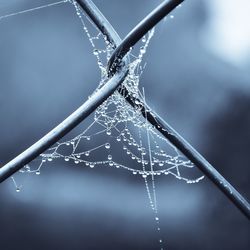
(197, 77)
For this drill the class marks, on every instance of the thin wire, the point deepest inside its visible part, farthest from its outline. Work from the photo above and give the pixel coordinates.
(32, 9)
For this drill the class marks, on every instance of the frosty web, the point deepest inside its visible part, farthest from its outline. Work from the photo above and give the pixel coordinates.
(117, 127)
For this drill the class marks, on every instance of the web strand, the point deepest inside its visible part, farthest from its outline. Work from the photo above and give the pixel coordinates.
(32, 9)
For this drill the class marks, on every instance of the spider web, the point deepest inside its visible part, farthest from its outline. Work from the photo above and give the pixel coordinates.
(129, 141)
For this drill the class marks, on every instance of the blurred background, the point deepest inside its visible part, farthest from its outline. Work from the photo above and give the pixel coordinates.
(197, 77)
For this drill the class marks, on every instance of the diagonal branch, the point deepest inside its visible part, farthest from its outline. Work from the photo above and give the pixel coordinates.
(163, 127)
(64, 127)
(75, 118)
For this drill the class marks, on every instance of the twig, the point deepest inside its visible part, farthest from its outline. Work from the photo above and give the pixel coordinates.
(140, 30)
(64, 127)
(166, 130)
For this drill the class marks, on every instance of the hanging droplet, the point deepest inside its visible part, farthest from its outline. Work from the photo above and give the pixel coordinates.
(142, 50)
(137, 102)
(18, 190)
(107, 146)
(171, 16)
(76, 161)
(108, 132)
(88, 138)
(156, 218)
(92, 165)
(38, 172)
(50, 159)
(95, 52)
(87, 153)
(144, 39)
(66, 159)
(110, 157)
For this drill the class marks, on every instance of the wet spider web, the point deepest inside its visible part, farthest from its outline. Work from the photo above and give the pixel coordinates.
(128, 141)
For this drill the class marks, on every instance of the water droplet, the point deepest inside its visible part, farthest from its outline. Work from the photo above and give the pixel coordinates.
(156, 218)
(87, 153)
(142, 50)
(137, 102)
(50, 159)
(66, 159)
(107, 145)
(38, 172)
(92, 165)
(144, 39)
(108, 132)
(95, 52)
(18, 190)
(171, 16)
(110, 157)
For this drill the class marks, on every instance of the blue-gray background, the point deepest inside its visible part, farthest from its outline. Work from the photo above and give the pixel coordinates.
(47, 70)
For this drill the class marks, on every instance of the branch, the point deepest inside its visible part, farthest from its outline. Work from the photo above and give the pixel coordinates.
(64, 127)
(163, 127)
(140, 30)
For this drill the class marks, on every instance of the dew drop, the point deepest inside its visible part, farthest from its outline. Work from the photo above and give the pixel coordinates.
(110, 157)
(142, 50)
(95, 52)
(107, 146)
